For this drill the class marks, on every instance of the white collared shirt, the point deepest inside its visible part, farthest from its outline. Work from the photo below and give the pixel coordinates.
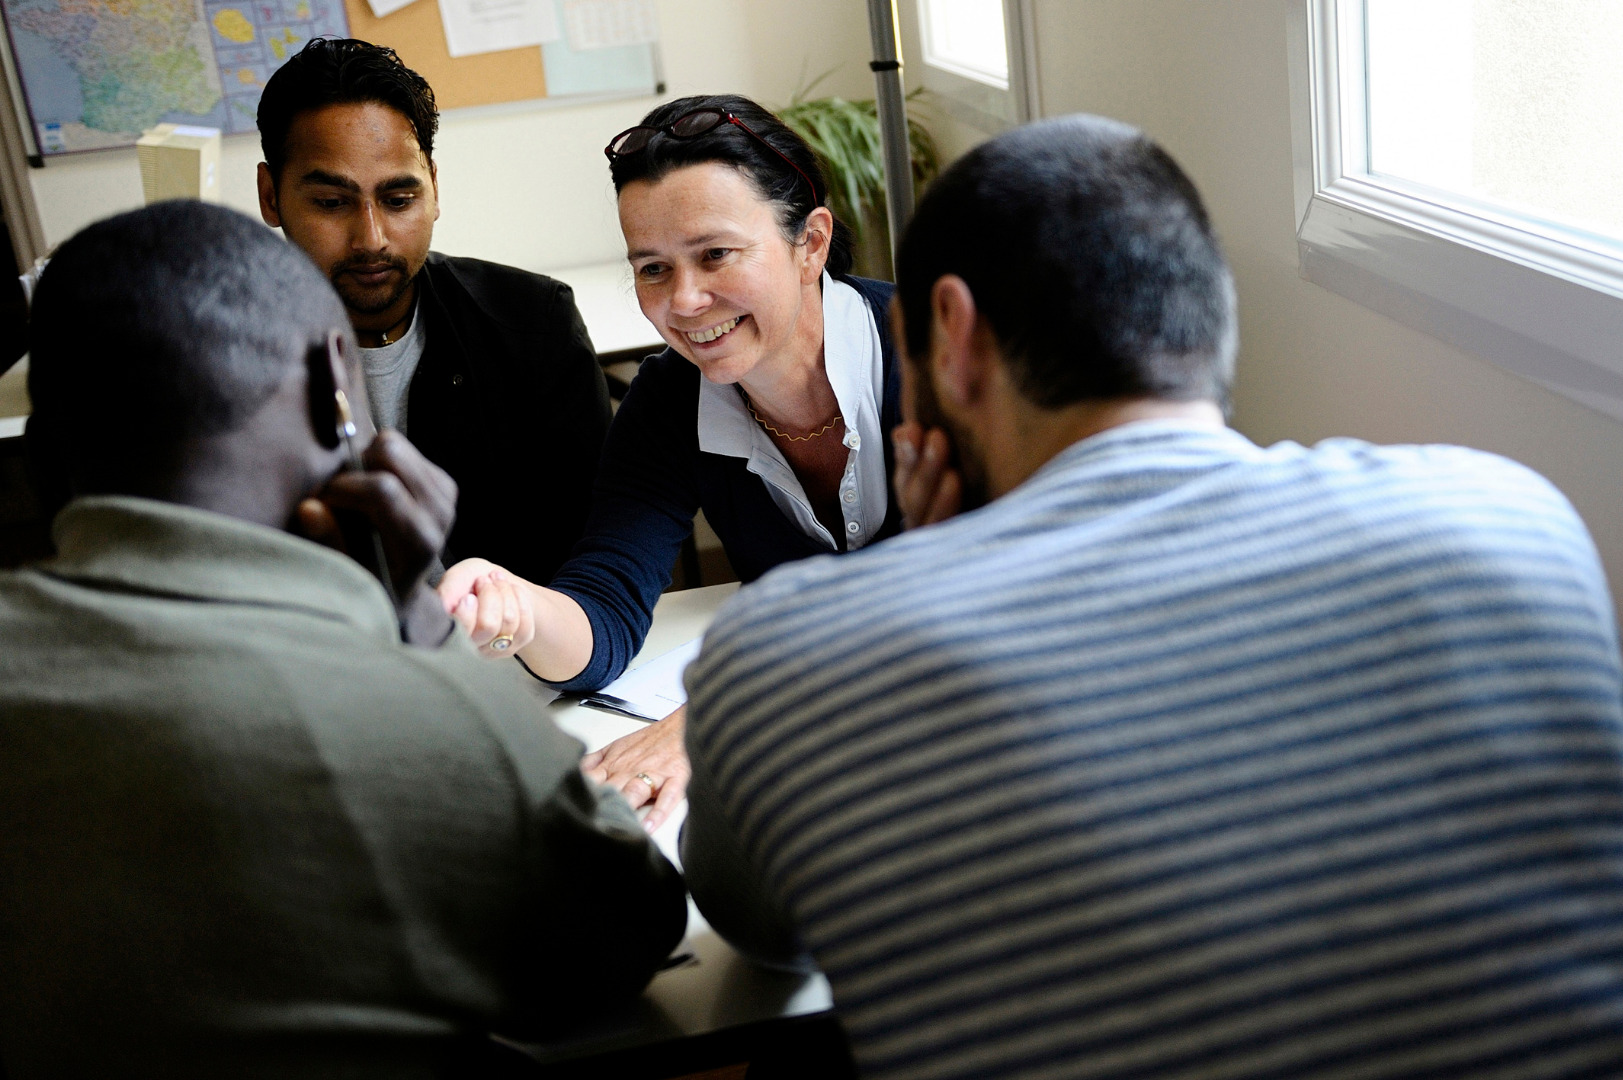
(855, 368)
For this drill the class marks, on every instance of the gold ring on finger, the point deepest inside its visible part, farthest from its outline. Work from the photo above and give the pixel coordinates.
(501, 644)
(649, 780)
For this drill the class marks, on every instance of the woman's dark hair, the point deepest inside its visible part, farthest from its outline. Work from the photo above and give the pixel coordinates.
(342, 71)
(778, 184)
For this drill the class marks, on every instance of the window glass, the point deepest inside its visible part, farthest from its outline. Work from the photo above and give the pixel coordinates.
(1517, 103)
(966, 37)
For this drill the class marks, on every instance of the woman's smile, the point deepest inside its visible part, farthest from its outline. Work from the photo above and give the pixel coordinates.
(714, 333)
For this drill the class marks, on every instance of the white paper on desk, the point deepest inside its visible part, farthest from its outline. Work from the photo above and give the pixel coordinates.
(607, 24)
(380, 8)
(481, 26)
(655, 688)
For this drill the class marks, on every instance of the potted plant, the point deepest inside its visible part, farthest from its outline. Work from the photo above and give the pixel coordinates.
(845, 137)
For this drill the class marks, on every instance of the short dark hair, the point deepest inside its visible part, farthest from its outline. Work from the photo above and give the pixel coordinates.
(342, 71)
(776, 182)
(165, 324)
(1092, 258)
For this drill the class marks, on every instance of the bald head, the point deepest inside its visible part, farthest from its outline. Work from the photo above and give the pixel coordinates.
(162, 327)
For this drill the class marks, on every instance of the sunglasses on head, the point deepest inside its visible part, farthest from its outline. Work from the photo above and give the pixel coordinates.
(691, 125)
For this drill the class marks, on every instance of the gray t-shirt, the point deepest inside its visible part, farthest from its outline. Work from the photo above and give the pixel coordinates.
(388, 375)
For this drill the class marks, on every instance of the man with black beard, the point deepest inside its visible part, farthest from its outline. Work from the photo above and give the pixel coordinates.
(487, 369)
(1169, 754)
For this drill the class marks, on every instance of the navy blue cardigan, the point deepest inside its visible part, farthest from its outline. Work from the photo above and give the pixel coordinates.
(653, 479)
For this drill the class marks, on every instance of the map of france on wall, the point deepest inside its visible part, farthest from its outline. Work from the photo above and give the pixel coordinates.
(96, 73)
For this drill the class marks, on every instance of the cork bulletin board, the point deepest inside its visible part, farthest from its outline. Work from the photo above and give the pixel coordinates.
(554, 70)
(416, 33)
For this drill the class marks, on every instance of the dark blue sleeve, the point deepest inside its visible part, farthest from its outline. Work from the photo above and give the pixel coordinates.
(642, 509)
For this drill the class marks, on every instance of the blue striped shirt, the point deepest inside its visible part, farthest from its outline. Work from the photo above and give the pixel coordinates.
(1190, 758)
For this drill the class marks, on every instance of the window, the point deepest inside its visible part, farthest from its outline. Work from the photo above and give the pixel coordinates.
(1515, 105)
(1459, 168)
(966, 37)
(978, 58)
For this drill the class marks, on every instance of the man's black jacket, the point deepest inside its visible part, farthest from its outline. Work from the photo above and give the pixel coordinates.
(509, 399)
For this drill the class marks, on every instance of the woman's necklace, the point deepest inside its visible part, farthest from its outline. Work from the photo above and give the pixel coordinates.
(784, 434)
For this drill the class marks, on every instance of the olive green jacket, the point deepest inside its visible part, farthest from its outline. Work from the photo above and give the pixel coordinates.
(245, 831)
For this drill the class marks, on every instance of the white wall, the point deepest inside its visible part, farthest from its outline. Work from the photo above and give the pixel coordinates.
(529, 186)
(1209, 80)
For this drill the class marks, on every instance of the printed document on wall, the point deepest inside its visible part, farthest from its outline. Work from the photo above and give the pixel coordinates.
(380, 8)
(482, 26)
(608, 24)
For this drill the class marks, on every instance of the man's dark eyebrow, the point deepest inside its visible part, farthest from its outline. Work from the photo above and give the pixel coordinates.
(327, 179)
(406, 182)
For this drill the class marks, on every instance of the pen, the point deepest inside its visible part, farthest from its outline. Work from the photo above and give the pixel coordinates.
(346, 433)
(600, 700)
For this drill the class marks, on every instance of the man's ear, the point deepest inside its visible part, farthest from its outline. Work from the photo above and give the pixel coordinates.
(959, 358)
(434, 182)
(268, 207)
(325, 376)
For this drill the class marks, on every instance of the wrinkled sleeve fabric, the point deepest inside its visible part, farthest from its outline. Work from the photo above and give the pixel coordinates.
(727, 887)
(624, 910)
(599, 908)
(643, 507)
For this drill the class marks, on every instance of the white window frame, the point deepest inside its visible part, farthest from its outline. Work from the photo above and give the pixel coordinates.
(990, 108)
(1544, 304)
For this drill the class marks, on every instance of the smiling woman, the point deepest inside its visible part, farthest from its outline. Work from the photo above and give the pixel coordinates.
(770, 410)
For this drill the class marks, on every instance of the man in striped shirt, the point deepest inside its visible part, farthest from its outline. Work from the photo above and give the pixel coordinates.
(1179, 757)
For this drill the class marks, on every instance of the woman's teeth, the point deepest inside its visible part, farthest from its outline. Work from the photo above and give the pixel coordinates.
(699, 337)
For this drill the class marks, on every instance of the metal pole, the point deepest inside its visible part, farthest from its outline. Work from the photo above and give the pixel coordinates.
(887, 75)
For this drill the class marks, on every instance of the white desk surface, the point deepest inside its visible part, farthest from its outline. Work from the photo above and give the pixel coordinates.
(719, 988)
(608, 303)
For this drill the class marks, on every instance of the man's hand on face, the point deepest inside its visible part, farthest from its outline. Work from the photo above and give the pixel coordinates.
(928, 488)
(411, 503)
